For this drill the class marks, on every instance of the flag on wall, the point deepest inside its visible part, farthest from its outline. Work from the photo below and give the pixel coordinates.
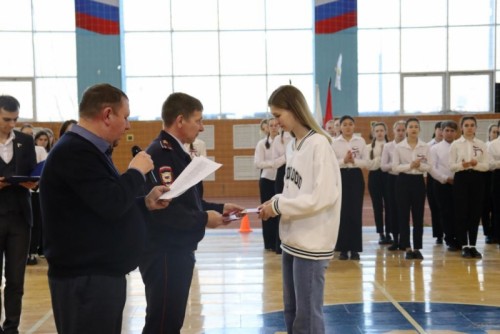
(332, 16)
(99, 16)
(328, 110)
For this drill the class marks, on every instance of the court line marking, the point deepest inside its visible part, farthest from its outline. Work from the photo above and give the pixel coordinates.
(396, 304)
(39, 323)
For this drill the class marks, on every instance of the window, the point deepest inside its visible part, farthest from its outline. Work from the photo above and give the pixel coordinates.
(41, 58)
(230, 54)
(447, 56)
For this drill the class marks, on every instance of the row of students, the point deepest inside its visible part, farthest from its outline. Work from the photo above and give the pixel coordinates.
(398, 189)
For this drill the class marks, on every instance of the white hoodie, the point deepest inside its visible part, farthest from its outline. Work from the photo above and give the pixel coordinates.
(311, 199)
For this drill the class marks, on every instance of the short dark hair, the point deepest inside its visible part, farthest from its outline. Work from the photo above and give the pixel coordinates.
(466, 118)
(9, 103)
(100, 96)
(449, 124)
(411, 119)
(179, 104)
(343, 118)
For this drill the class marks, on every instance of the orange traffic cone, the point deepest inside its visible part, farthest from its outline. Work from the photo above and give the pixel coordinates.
(245, 225)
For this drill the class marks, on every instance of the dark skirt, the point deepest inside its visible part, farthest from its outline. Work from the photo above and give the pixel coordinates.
(351, 213)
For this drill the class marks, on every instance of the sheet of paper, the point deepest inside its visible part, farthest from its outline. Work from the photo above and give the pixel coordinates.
(251, 210)
(198, 169)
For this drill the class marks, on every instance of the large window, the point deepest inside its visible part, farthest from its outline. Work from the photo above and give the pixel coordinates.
(231, 54)
(414, 56)
(39, 58)
(443, 51)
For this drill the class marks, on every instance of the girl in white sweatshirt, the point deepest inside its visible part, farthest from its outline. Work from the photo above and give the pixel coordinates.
(309, 208)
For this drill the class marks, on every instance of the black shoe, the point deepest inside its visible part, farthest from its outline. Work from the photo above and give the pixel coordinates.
(393, 247)
(410, 255)
(31, 261)
(343, 256)
(439, 241)
(453, 248)
(355, 256)
(466, 253)
(388, 240)
(417, 255)
(475, 254)
(381, 240)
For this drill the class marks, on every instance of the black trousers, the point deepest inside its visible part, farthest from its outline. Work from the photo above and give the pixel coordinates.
(410, 192)
(377, 180)
(437, 229)
(468, 191)
(36, 230)
(270, 227)
(90, 304)
(167, 278)
(351, 212)
(487, 213)
(279, 184)
(14, 244)
(392, 206)
(444, 199)
(495, 181)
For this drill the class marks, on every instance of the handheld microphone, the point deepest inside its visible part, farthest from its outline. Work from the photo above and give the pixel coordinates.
(151, 176)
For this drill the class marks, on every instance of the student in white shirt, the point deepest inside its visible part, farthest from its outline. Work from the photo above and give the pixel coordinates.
(487, 214)
(278, 148)
(351, 153)
(377, 179)
(469, 160)
(398, 130)
(411, 161)
(494, 162)
(309, 208)
(198, 148)
(437, 230)
(263, 160)
(443, 183)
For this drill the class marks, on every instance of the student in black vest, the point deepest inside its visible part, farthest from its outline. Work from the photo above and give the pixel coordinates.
(17, 157)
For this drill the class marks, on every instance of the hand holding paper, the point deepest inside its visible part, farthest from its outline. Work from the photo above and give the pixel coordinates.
(198, 169)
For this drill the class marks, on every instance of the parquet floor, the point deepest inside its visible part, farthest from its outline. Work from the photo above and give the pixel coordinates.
(237, 290)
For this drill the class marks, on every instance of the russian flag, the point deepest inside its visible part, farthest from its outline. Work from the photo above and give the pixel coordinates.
(332, 16)
(99, 16)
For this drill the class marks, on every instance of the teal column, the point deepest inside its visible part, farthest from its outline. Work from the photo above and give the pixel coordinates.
(98, 44)
(336, 54)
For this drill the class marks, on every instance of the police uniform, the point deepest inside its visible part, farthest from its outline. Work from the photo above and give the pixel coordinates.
(167, 265)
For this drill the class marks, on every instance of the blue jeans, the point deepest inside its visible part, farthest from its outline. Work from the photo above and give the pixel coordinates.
(303, 286)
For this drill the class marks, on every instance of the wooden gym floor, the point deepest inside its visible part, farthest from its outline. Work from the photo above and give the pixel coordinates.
(236, 289)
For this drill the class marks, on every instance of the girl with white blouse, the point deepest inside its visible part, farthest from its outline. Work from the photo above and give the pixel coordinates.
(398, 130)
(494, 161)
(377, 180)
(487, 214)
(411, 161)
(263, 160)
(352, 156)
(469, 160)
